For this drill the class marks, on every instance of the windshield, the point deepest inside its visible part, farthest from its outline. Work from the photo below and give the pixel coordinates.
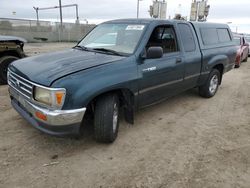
(122, 38)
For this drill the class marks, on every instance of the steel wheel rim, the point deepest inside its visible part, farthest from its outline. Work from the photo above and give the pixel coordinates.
(115, 117)
(213, 84)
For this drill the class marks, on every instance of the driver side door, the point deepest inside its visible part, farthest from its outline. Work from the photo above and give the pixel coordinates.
(162, 77)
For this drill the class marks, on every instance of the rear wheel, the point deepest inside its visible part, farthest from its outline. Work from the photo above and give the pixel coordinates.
(4, 63)
(106, 120)
(210, 88)
(237, 66)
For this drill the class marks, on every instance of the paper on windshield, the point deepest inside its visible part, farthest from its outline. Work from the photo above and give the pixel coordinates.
(135, 27)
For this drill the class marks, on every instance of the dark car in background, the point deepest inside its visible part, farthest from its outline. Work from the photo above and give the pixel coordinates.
(243, 49)
(11, 49)
(247, 37)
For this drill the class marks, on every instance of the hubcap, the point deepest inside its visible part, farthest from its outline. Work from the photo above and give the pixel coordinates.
(213, 84)
(115, 117)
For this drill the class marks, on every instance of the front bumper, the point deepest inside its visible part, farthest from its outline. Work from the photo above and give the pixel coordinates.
(58, 122)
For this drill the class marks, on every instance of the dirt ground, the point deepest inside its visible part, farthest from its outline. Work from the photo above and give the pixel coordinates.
(186, 141)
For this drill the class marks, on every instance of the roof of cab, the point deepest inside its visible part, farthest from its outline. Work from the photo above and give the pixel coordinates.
(143, 21)
(209, 24)
(150, 20)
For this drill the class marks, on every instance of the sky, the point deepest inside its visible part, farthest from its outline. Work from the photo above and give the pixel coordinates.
(97, 11)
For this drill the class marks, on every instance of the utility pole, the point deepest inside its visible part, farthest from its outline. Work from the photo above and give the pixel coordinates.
(158, 9)
(199, 10)
(77, 17)
(60, 7)
(61, 21)
(37, 16)
(138, 8)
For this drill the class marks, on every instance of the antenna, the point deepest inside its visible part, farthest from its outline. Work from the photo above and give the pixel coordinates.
(199, 10)
(158, 9)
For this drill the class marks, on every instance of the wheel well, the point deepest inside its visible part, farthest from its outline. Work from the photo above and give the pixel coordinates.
(220, 68)
(10, 53)
(127, 102)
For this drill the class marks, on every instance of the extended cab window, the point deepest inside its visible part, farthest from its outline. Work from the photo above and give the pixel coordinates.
(164, 36)
(187, 37)
(209, 36)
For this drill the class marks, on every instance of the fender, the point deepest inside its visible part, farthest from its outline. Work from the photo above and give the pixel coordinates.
(84, 86)
(217, 60)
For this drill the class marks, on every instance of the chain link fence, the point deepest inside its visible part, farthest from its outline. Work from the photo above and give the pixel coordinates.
(34, 31)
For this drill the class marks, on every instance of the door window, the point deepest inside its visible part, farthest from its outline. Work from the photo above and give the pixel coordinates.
(164, 36)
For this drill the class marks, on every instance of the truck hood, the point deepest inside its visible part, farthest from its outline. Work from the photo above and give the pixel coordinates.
(12, 38)
(46, 68)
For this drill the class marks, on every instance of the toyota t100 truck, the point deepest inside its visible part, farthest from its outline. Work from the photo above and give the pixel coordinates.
(121, 66)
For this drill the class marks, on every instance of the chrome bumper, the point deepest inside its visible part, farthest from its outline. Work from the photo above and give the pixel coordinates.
(57, 117)
(53, 117)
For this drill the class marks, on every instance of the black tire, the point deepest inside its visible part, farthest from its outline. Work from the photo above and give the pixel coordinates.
(237, 66)
(210, 88)
(106, 110)
(4, 63)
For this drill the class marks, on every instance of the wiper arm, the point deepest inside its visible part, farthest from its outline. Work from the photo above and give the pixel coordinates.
(81, 47)
(108, 50)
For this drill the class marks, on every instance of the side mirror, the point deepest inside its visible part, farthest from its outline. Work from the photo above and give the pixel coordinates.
(154, 52)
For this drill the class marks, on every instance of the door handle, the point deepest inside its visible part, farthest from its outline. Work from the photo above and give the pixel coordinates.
(178, 60)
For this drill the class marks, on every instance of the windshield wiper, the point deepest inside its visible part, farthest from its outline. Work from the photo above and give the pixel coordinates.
(108, 50)
(81, 47)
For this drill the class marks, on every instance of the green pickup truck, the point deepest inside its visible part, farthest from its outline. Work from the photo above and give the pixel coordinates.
(121, 66)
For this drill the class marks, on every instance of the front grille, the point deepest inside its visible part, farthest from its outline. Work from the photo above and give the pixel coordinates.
(20, 84)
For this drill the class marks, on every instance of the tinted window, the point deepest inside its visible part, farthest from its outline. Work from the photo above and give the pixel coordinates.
(223, 35)
(164, 36)
(209, 36)
(187, 37)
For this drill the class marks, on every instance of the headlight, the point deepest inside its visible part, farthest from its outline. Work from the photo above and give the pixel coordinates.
(51, 97)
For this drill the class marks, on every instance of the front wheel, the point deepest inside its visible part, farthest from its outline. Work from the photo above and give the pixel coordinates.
(106, 120)
(4, 63)
(210, 88)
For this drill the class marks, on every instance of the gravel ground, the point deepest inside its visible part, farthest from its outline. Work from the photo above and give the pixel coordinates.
(186, 141)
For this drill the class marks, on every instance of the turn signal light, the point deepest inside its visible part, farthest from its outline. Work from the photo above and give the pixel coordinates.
(41, 116)
(59, 97)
